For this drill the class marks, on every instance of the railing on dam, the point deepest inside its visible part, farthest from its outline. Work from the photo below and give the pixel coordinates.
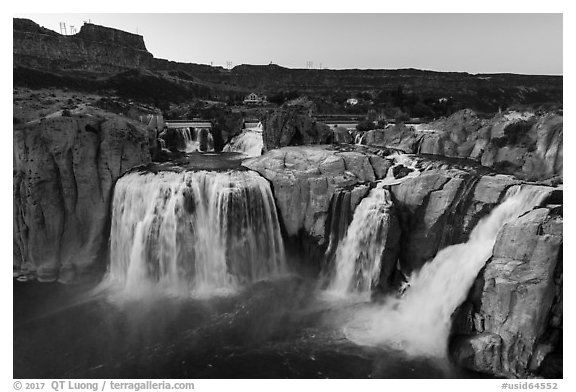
(188, 124)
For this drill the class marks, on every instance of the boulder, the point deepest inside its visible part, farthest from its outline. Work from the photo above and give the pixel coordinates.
(64, 172)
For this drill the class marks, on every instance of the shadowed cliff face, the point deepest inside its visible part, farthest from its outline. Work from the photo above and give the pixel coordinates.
(64, 172)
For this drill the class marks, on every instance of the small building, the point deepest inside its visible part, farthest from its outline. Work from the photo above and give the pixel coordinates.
(255, 99)
(352, 101)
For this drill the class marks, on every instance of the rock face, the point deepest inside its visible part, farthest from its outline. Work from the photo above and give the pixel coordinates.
(513, 319)
(304, 180)
(94, 48)
(292, 125)
(398, 136)
(441, 207)
(342, 136)
(524, 144)
(64, 172)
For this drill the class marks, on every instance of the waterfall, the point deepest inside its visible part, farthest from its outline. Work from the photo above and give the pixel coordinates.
(359, 254)
(196, 139)
(193, 233)
(249, 142)
(419, 321)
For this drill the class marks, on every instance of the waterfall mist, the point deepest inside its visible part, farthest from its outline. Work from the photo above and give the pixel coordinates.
(418, 323)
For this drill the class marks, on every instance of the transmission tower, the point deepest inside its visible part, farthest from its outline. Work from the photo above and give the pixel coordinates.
(72, 30)
(228, 64)
(63, 28)
(309, 64)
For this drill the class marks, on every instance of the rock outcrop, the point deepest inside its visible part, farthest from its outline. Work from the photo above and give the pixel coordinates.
(512, 323)
(292, 125)
(65, 168)
(93, 48)
(398, 136)
(304, 180)
(527, 145)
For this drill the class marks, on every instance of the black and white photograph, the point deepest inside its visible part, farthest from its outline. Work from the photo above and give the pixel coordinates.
(286, 195)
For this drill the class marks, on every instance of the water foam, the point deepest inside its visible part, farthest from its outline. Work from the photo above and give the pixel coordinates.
(419, 322)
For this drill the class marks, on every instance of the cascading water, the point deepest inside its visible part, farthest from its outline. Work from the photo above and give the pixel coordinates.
(249, 142)
(419, 322)
(356, 252)
(359, 138)
(359, 254)
(196, 139)
(193, 233)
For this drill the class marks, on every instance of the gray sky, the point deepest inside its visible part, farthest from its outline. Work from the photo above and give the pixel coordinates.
(475, 43)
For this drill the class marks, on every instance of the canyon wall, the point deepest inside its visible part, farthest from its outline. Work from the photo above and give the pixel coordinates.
(65, 168)
(94, 48)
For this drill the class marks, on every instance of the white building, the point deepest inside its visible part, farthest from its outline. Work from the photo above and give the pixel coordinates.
(254, 99)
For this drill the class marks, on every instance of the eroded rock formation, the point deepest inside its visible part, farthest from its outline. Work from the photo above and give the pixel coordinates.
(525, 144)
(292, 125)
(64, 172)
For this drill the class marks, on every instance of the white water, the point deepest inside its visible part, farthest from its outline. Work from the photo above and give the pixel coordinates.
(358, 256)
(192, 139)
(249, 142)
(194, 234)
(359, 138)
(419, 322)
(400, 160)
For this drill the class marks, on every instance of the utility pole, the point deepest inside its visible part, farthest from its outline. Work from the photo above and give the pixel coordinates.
(309, 64)
(228, 65)
(63, 28)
